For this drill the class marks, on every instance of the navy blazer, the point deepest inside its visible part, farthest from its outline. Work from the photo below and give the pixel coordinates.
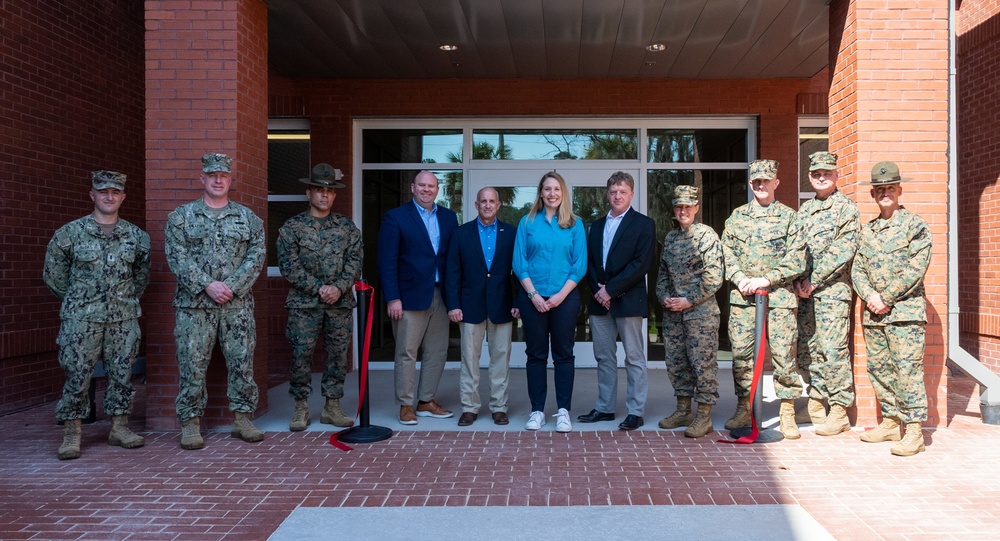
(480, 292)
(406, 258)
(629, 260)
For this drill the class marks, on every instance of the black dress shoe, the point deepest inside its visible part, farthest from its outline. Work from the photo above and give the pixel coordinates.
(500, 418)
(467, 418)
(595, 416)
(631, 422)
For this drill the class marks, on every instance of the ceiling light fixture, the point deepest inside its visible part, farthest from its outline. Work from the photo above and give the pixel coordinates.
(656, 47)
(447, 47)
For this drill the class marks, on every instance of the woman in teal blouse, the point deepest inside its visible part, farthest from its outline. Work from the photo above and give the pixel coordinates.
(550, 259)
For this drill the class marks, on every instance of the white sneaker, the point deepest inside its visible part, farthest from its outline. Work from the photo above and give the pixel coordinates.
(535, 421)
(562, 421)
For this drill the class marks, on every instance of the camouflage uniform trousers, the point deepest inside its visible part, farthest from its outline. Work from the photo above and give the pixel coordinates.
(691, 347)
(196, 333)
(81, 345)
(896, 370)
(824, 360)
(303, 331)
(781, 339)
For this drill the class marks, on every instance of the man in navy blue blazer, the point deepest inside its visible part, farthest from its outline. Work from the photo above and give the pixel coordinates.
(413, 245)
(619, 254)
(479, 297)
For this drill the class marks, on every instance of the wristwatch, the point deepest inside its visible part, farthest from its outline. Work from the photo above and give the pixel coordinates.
(532, 294)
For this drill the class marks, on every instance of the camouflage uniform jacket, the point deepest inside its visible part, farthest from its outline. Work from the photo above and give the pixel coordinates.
(764, 241)
(313, 253)
(98, 278)
(202, 248)
(691, 267)
(892, 259)
(830, 227)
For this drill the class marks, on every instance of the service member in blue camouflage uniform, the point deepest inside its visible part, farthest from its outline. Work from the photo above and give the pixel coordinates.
(764, 249)
(215, 248)
(888, 274)
(690, 273)
(320, 254)
(830, 223)
(98, 266)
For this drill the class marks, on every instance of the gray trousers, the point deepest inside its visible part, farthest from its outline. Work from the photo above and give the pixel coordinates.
(498, 340)
(604, 331)
(427, 329)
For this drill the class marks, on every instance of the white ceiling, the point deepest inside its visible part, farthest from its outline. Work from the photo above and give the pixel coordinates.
(399, 39)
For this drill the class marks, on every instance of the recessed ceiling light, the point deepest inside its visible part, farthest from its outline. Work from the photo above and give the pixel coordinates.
(447, 47)
(656, 47)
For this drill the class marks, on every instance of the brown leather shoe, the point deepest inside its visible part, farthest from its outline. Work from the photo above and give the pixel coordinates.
(500, 418)
(406, 415)
(467, 418)
(433, 409)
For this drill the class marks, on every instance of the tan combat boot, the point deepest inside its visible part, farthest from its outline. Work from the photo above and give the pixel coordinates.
(835, 423)
(300, 419)
(888, 430)
(122, 436)
(742, 416)
(191, 434)
(786, 420)
(912, 443)
(244, 429)
(70, 447)
(702, 423)
(333, 415)
(681, 417)
(814, 413)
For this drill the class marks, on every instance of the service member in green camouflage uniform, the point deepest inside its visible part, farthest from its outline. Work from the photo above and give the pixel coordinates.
(764, 249)
(888, 274)
(215, 248)
(320, 254)
(830, 223)
(98, 266)
(690, 273)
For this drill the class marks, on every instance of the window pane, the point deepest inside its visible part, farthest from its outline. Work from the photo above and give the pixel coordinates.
(287, 162)
(517, 201)
(411, 146)
(697, 146)
(555, 144)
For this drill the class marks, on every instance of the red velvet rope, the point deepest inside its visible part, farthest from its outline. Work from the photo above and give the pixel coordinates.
(758, 369)
(363, 385)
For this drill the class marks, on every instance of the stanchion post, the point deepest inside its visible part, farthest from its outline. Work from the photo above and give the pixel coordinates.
(364, 432)
(768, 435)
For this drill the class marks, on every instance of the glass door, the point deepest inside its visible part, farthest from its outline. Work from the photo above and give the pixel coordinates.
(517, 189)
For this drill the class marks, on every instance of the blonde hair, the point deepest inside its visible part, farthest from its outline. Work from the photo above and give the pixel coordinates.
(565, 213)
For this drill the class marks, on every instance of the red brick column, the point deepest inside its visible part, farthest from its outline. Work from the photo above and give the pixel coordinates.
(206, 91)
(889, 101)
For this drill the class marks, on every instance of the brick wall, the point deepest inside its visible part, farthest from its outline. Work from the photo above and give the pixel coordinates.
(978, 58)
(71, 103)
(206, 81)
(889, 101)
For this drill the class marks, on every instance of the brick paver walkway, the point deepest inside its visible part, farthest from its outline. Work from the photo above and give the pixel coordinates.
(234, 490)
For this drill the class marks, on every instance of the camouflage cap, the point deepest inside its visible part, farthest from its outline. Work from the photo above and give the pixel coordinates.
(685, 195)
(100, 180)
(822, 160)
(886, 173)
(324, 175)
(763, 169)
(212, 162)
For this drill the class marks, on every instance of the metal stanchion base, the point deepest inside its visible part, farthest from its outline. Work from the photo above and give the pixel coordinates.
(766, 435)
(365, 434)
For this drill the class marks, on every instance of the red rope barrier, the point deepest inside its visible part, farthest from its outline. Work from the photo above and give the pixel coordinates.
(758, 369)
(365, 348)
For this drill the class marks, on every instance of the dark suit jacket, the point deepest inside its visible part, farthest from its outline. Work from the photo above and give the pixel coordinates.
(480, 292)
(406, 258)
(629, 259)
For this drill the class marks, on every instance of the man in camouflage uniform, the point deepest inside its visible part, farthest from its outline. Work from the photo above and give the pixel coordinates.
(764, 250)
(888, 274)
(319, 253)
(690, 273)
(215, 248)
(830, 223)
(98, 266)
